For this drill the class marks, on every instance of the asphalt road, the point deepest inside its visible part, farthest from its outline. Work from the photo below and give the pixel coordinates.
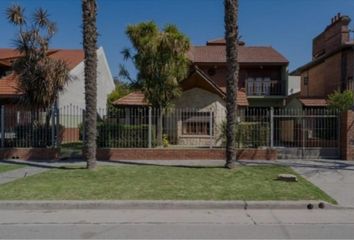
(180, 224)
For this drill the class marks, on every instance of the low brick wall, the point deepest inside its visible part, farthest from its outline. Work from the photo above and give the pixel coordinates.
(29, 153)
(182, 154)
(71, 135)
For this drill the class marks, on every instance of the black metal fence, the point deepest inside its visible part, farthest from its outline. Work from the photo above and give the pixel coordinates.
(145, 127)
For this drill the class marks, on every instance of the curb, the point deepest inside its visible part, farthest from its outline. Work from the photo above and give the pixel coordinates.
(45, 205)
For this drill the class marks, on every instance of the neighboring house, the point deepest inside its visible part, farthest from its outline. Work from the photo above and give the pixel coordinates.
(332, 65)
(71, 100)
(263, 83)
(73, 93)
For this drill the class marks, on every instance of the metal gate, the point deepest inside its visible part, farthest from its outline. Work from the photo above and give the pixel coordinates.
(307, 134)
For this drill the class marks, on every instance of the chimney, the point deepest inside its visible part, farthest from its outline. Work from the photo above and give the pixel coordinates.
(335, 35)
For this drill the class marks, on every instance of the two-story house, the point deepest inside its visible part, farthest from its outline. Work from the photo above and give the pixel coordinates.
(263, 83)
(332, 65)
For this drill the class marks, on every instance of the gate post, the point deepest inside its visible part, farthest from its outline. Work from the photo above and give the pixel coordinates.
(346, 134)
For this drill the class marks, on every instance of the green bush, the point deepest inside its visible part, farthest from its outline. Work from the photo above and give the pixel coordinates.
(248, 134)
(124, 136)
(37, 135)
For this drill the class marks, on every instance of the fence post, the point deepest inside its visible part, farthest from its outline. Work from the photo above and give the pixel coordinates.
(149, 130)
(211, 129)
(83, 127)
(2, 126)
(303, 120)
(53, 127)
(271, 127)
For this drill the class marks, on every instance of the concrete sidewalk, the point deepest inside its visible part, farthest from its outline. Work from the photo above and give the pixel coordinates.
(334, 177)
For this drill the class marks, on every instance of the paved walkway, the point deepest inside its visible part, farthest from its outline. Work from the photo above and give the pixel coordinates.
(334, 177)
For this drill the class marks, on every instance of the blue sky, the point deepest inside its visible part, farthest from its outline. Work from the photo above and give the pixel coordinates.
(287, 25)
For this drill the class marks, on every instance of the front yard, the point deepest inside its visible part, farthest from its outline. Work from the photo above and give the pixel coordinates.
(8, 167)
(162, 183)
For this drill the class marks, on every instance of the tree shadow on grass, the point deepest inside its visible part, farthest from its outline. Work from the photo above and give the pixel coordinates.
(41, 164)
(135, 163)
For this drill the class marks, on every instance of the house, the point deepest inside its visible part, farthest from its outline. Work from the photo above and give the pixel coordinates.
(73, 93)
(332, 64)
(263, 83)
(71, 100)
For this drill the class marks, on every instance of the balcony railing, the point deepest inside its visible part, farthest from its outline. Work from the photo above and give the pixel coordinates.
(264, 87)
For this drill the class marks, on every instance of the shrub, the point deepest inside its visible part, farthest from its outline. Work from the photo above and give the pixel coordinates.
(342, 101)
(36, 135)
(121, 136)
(247, 134)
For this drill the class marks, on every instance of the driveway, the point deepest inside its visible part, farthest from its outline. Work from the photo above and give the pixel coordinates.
(335, 177)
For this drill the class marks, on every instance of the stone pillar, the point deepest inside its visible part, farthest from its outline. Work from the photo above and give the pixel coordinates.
(346, 135)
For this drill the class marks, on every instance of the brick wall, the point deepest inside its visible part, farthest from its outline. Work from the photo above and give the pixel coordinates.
(29, 153)
(182, 154)
(347, 136)
(71, 135)
(323, 78)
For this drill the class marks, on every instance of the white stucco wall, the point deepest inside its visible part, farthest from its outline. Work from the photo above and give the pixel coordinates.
(203, 101)
(294, 84)
(74, 92)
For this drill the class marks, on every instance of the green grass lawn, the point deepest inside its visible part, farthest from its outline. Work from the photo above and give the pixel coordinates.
(8, 167)
(162, 183)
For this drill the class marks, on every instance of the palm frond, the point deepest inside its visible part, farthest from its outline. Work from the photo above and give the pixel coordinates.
(15, 15)
(41, 17)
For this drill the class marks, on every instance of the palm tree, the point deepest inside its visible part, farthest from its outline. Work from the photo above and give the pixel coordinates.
(89, 12)
(40, 77)
(231, 37)
(161, 62)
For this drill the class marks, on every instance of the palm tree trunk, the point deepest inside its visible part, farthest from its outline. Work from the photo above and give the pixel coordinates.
(89, 12)
(231, 37)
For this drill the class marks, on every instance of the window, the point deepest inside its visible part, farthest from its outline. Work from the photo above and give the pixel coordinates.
(306, 80)
(197, 123)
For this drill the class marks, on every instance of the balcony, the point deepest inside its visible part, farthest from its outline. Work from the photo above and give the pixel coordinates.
(260, 87)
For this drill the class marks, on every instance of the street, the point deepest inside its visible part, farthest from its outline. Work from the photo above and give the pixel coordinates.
(164, 224)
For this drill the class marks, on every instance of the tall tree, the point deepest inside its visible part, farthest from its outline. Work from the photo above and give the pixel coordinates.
(161, 61)
(231, 37)
(89, 13)
(40, 77)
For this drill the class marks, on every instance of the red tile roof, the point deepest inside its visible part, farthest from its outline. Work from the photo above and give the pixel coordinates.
(132, 99)
(217, 54)
(241, 98)
(137, 99)
(8, 84)
(314, 102)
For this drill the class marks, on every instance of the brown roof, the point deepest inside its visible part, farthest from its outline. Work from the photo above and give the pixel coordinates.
(132, 99)
(241, 98)
(8, 84)
(314, 102)
(71, 56)
(247, 54)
